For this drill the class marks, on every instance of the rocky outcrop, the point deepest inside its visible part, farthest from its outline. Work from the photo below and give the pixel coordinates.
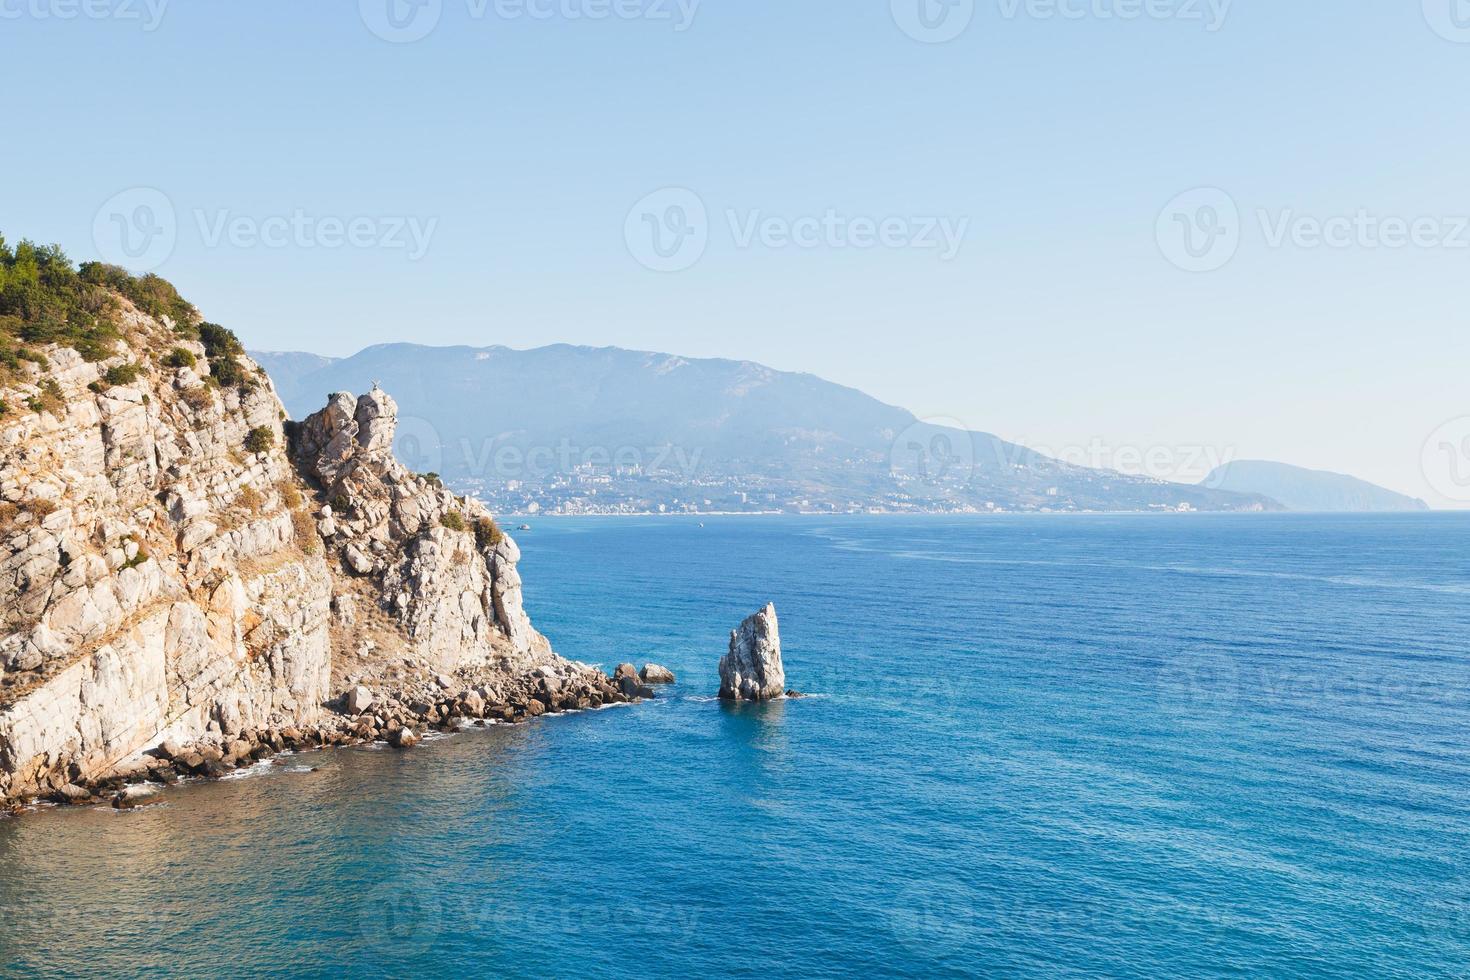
(435, 564)
(752, 669)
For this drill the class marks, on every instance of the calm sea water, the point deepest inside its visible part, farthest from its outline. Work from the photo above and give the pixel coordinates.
(1048, 746)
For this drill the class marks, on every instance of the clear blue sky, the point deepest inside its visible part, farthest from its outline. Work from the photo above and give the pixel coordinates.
(1061, 322)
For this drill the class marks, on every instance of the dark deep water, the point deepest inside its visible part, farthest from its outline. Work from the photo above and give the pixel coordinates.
(1040, 745)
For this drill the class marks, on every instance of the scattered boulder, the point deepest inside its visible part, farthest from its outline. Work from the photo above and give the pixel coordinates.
(752, 669)
(359, 699)
(74, 794)
(631, 687)
(625, 670)
(403, 738)
(654, 674)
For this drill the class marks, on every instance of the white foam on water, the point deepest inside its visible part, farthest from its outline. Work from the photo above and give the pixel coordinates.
(257, 769)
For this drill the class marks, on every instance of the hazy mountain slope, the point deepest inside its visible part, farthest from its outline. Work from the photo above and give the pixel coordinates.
(285, 368)
(733, 433)
(607, 396)
(1309, 490)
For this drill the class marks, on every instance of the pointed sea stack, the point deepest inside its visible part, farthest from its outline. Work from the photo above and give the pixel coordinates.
(752, 670)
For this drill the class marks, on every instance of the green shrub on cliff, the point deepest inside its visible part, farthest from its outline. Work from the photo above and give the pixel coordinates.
(122, 374)
(223, 349)
(180, 357)
(49, 400)
(453, 520)
(45, 300)
(488, 533)
(260, 440)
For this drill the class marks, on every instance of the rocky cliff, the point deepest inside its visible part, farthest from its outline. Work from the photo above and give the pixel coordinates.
(154, 582)
(419, 568)
(175, 571)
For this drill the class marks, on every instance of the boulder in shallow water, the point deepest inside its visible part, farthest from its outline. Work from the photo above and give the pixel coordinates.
(72, 793)
(654, 674)
(752, 669)
(631, 687)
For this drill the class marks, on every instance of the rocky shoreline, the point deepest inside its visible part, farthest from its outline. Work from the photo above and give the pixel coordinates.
(400, 719)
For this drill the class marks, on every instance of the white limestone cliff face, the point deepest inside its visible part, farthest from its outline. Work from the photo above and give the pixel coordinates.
(151, 578)
(163, 584)
(752, 669)
(435, 563)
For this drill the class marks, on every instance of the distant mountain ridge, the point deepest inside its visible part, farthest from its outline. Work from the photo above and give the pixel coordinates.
(1302, 489)
(583, 428)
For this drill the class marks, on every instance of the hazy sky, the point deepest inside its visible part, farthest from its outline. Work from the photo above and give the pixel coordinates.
(987, 229)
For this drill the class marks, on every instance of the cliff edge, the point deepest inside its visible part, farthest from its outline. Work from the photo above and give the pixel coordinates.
(179, 567)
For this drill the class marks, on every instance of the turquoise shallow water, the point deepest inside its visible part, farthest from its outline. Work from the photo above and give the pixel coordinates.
(1049, 746)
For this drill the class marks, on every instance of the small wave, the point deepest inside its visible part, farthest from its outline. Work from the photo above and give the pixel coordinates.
(256, 769)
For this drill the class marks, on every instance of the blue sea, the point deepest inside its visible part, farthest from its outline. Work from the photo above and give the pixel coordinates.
(1050, 746)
